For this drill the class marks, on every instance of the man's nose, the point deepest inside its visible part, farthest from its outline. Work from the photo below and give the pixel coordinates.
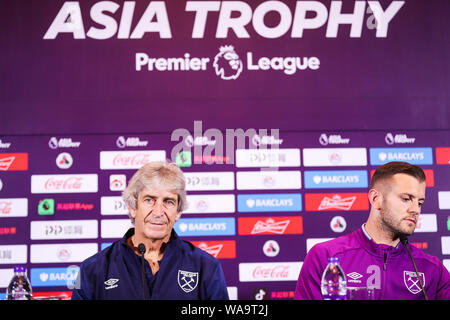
(415, 207)
(158, 208)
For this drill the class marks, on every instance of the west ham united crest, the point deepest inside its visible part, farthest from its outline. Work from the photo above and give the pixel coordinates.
(187, 280)
(412, 282)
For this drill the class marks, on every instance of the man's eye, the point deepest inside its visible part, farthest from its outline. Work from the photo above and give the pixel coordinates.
(170, 202)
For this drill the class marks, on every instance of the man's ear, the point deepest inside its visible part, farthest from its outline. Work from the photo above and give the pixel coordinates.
(132, 212)
(375, 198)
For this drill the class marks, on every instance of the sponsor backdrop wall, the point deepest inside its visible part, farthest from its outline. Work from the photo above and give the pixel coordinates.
(278, 112)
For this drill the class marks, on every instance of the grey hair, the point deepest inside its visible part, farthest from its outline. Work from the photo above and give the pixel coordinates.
(162, 174)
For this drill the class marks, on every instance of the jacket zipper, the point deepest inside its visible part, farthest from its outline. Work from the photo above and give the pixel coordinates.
(384, 276)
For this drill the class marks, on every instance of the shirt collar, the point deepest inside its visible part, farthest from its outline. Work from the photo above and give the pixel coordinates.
(365, 232)
(370, 238)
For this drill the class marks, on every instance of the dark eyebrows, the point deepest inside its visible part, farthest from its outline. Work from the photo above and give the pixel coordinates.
(147, 195)
(171, 198)
(412, 196)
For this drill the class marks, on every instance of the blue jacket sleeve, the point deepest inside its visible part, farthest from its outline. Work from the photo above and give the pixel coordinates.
(216, 287)
(83, 289)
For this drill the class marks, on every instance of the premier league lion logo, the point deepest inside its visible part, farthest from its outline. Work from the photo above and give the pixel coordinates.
(227, 63)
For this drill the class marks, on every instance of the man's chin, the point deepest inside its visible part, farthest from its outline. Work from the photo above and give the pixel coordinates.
(407, 228)
(156, 233)
(406, 232)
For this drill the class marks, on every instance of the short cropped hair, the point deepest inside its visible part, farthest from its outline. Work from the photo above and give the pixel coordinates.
(156, 175)
(389, 169)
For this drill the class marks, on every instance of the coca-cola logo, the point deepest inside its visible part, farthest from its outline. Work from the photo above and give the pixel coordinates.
(139, 159)
(129, 159)
(276, 272)
(71, 183)
(64, 183)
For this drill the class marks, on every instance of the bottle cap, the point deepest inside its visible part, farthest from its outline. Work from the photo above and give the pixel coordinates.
(333, 259)
(20, 269)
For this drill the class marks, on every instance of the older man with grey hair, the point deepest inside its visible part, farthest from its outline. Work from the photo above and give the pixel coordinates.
(151, 261)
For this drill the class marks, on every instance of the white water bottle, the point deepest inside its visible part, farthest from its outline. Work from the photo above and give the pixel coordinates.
(19, 288)
(334, 283)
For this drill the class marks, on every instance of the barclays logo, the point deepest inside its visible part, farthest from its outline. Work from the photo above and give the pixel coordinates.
(336, 179)
(205, 227)
(282, 202)
(54, 277)
(417, 156)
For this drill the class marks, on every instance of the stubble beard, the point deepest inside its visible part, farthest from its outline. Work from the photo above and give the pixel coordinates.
(392, 226)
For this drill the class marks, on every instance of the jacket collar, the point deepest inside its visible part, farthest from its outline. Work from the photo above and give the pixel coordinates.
(375, 248)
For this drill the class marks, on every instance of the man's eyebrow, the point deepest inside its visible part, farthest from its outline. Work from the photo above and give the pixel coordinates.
(153, 196)
(412, 196)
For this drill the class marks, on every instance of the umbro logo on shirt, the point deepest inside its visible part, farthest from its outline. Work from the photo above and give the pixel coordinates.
(355, 276)
(111, 283)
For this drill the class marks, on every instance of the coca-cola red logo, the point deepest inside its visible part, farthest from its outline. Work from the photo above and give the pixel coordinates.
(131, 160)
(277, 272)
(71, 183)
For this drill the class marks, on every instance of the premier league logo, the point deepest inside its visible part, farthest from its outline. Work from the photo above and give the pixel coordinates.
(227, 63)
(412, 282)
(187, 280)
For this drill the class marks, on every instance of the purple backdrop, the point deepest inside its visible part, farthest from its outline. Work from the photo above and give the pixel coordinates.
(375, 91)
(400, 81)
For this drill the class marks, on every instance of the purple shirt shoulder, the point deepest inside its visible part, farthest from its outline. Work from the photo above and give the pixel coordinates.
(387, 269)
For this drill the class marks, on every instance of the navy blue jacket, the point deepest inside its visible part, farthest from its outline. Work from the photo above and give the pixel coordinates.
(185, 272)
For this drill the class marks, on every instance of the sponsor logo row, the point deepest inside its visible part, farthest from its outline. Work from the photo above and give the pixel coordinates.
(286, 157)
(192, 227)
(217, 203)
(218, 181)
(256, 140)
